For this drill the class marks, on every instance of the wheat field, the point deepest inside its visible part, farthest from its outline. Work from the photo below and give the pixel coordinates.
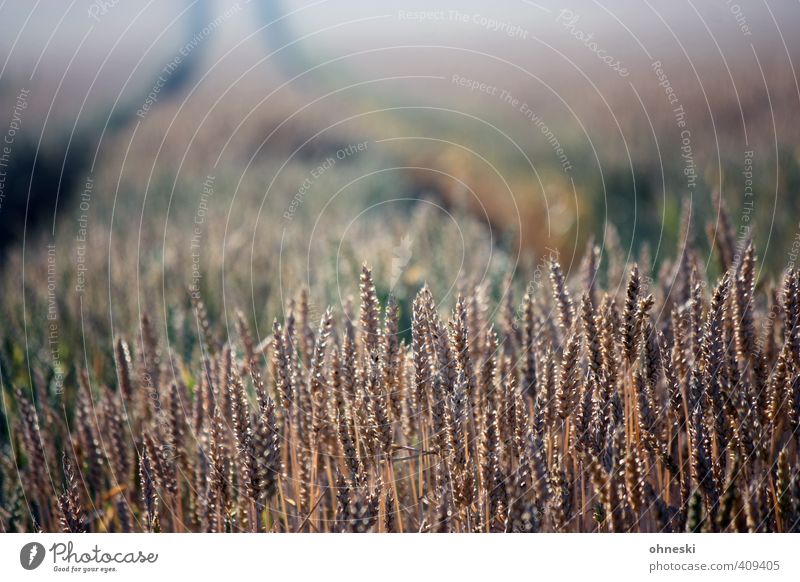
(669, 402)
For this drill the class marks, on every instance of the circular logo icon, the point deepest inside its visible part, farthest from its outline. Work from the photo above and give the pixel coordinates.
(31, 555)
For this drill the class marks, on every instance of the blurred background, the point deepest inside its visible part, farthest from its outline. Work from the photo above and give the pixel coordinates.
(243, 148)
